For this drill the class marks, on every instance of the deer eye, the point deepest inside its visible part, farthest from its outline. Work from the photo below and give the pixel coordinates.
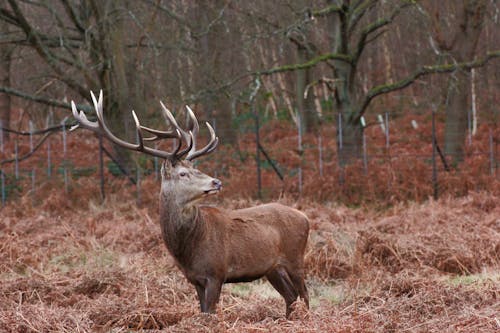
(182, 174)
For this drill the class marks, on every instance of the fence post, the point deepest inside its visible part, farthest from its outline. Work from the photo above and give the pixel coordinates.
(33, 184)
(1, 170)
(365, 156)
(31, 127)
(31, 136)
(1, 137)
(387, 139)
(434, 150)
(16, 157)
(300, 149)
(49, 161)
(257, 151)
(320, 151)
(101, 168)
(3, 188)
(65, 171)
(492, 154)
(469, 127)
(155, 160)
(257, 136)
(340, 148)
(138, 183)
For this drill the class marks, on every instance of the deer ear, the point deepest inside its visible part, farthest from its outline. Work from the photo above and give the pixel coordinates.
(166, 169)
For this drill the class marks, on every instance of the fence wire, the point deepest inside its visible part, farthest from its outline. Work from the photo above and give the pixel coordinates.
(311, 158)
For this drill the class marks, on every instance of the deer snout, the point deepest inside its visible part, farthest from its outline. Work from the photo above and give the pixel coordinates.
(217, 183)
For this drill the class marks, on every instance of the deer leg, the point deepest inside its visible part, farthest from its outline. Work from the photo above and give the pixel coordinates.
(200, 290)
(209, 295)
(280, 280)
(300, 285)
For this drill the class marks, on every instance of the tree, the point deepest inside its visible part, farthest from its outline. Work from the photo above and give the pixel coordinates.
(82, 45)
(306, 50)
(5, 64)
(456, 38)
(351, 31)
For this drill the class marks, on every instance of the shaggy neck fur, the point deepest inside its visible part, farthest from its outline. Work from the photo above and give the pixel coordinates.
(181, 226)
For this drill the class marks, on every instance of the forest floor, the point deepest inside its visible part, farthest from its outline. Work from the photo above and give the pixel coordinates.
(393, 260)
(73, 264)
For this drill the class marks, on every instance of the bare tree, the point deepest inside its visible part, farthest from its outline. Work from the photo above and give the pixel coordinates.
(84, 45)
(351, 31)
(456, 38)
(5, 65)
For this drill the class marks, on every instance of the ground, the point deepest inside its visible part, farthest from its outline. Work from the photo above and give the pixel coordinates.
(74, 264)
(390, 259)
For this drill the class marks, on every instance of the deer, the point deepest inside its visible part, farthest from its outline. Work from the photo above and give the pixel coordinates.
(212, 246)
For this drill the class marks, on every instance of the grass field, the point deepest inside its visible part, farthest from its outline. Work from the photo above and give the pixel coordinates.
(73, 264)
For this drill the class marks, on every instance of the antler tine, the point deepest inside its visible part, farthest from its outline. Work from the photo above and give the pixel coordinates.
(82, 119)
(192, 134)
(192, 124)
(100, 127)
(185, 134)
(189, 146)
(140, 143)
(212, 144)
(155, 152)
(157, 135)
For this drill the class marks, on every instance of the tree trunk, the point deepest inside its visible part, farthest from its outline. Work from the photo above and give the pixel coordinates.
(5, 100)
(349, 140)
(305, 104)
(120, 85)
(347, 92)
(456, 116)
(216, 63)
(463, 48)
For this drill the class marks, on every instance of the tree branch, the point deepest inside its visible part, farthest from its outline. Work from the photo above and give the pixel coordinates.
(374, 26)
(327, 10)
(50, 58)
(425, 70)
(311, 63)
(43, 100)
(27, 155)
(40, 131)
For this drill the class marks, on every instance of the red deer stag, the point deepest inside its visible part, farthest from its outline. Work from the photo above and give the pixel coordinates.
(213, 246)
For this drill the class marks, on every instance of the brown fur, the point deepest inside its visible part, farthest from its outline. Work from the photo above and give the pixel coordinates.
(214, 246)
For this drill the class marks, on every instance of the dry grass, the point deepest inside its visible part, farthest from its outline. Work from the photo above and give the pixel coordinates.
(400, 262)
(82, 266)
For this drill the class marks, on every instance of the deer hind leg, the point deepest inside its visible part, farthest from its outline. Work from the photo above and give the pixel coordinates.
(281, 281)
(208, 293)
(300, 285)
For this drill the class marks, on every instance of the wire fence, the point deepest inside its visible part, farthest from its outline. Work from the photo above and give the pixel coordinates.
(30, 159)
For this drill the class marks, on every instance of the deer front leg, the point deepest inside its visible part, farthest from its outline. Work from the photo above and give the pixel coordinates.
(208, 294)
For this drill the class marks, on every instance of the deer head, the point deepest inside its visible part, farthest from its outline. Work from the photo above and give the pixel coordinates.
(178, 173)
(187, 183)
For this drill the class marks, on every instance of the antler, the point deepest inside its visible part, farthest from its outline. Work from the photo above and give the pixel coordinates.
(177, 133)
(193, 129)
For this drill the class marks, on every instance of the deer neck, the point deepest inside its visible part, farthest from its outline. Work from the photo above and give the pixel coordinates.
(181, 226)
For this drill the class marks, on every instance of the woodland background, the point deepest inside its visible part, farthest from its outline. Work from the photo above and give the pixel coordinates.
(314, 62)
(360, 113)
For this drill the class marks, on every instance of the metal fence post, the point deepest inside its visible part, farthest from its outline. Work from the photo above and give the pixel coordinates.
(4, 196)
(434, 150)
(320, 153)
(492, 154)
(253, 96)
(340, 149)
(65, 171)
(16, 157)
(101, 168)
(257, 150)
